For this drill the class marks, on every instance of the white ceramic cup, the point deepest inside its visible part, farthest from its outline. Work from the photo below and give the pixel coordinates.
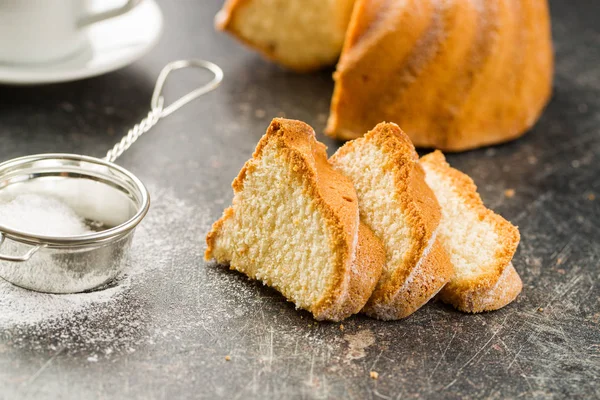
(41, 31)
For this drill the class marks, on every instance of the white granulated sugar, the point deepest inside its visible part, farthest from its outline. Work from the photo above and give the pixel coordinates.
(41, 215)
(112, 318)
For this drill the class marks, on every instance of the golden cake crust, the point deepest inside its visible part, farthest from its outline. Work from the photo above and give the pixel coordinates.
(501, 284)
(370, 256)
(455, 75)
(426, 266)
(360, 259)
(427, 279)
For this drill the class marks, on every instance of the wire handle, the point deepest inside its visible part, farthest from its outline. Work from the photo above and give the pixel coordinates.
(157, 108)
(23, 258)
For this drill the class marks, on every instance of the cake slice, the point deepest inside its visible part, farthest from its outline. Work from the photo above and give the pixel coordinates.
(302, 35)
(480, 243)
(294, 225)
(396, 203)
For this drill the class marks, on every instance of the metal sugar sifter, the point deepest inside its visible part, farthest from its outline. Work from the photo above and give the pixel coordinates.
(97, 190)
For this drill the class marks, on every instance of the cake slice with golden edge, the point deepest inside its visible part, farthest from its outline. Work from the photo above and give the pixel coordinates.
(302, 35)
(480, 243)
(294, 225)
(396, 203)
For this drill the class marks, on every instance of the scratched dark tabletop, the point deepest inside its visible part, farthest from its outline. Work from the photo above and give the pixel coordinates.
(171, 328)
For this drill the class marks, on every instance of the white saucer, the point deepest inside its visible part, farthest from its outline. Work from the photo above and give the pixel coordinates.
(112, 44)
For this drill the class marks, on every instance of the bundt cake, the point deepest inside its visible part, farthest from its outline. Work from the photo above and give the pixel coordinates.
(294, 224)
(480, 243)
(302, 35)
(454, 74)
(396, 203)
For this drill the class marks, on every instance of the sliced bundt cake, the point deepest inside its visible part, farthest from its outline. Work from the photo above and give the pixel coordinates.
(396, 203)
(453, 74)
(301, 35)
(294, 224)
(480, 243)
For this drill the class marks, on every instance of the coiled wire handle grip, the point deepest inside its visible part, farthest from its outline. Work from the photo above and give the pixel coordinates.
(157, 108)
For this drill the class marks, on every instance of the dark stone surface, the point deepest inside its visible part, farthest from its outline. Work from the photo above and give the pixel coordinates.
(167, 333)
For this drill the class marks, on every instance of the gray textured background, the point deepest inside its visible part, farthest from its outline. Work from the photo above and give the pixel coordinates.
(167, 332)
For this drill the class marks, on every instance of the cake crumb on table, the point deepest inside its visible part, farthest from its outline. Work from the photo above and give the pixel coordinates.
(509, 193)
(228, 358)
(541, 309)
(341, 327)
(591, 196)
(374, 375)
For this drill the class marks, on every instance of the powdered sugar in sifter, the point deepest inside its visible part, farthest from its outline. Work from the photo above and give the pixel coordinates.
(97, 190)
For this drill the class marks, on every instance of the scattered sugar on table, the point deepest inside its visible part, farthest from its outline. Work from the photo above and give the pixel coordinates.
(117, 319)
(42, 215)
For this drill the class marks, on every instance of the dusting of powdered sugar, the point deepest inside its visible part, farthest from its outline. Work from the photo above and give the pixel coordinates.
(24, 307)
(113, 317)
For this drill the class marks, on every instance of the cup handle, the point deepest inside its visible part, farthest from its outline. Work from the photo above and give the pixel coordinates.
(22, 258)
(101, 16)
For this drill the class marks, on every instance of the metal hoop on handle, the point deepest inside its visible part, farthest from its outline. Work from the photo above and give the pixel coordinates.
(157, 109)
(157, 97)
